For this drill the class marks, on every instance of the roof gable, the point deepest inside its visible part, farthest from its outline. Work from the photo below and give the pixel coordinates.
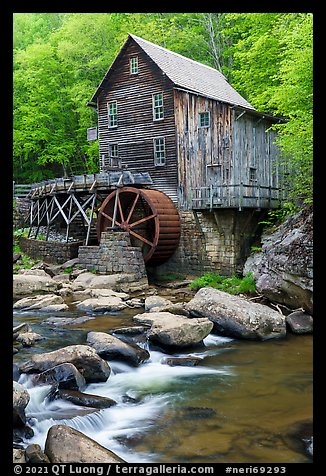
(184, 73)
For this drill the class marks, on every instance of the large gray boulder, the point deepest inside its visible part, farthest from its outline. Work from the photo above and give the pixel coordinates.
(27, 284)
(43, 302)
(83, 357)
(102, 304)
(237, 317)
(124, 282)
(67, 445)
(20, 400)
(27, 339)
(112, 348)
(64, 375)
(173, 330)
(300, 322)
(155, 303)
(283, 270)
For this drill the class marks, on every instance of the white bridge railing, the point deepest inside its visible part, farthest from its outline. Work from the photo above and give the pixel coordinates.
(20, 190)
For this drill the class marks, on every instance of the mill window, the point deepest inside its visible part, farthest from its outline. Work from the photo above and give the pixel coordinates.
(113, 114)
(253, 174)
(204, 119)
(158, 112)
(113, 150)
(159, 151)
(134, 65)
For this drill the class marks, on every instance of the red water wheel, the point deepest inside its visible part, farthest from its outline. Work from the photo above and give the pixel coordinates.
(149, 216)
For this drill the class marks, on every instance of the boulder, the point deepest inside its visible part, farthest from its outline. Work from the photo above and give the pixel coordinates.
(283, 270)
(16, 257)
(66, 321)
(27, 284)
(135, 302)
(34, 272)
(83, 357)
(38, 301)
(27, 339)
(20, 400)
(15, 372)
(85, 399)
(44, 303)
(173, 330)
(130, 331)
(112, 348)
(124, 282)
(20, 329)
(300, 322)
(183, 361)
(34, 454)
(65, 375)
(235, 316)
(102, 304)
(155, 303)
(62, 278)
(18, 455)
(67, 445)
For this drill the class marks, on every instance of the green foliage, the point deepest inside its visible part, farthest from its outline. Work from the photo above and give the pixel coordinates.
(231, 285)
(256, 248)
(277, 216)
(68, 270)
(60, 59)
(21, 232)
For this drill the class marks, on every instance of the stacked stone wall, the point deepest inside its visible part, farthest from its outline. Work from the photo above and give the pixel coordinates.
(49, 251)
(114, 255)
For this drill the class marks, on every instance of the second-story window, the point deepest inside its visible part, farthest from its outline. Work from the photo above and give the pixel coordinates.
(134, 65)
(158, 112)
(204, 119)
(113, 114)
(159, 151)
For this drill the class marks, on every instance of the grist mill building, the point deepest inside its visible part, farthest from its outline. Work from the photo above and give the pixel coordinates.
(188, 167)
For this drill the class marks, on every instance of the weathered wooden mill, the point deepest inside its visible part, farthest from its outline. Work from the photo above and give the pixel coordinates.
(187, 167)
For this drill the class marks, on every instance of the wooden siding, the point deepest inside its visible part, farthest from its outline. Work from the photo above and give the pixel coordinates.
(217, 159)
(136, 128)
(204, 152)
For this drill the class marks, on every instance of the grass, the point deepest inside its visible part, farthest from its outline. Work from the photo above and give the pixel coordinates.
(231, 285)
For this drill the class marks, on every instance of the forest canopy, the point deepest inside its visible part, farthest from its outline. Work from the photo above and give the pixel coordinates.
(59, 60)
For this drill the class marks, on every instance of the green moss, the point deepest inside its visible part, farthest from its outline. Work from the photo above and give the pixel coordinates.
(231, 285)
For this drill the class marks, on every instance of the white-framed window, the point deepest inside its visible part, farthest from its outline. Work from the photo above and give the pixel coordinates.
(113, 150)
(158, 111)
(159, 151)
(133, 65)
(113, 114)
(204, 119)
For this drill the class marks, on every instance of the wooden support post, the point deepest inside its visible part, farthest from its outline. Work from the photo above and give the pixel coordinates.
(68, 224)
(90, 220)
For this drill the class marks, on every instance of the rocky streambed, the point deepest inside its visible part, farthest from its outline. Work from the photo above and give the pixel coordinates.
(119, 372)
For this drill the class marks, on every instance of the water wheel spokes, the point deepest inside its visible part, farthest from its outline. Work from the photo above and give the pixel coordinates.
(147, 216)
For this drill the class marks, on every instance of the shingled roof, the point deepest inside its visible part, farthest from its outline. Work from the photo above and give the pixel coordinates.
(187, 74)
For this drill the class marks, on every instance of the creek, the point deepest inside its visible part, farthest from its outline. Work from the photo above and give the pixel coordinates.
(246, 402)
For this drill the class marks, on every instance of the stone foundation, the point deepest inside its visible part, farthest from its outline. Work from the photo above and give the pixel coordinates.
(49, 251)
(114, 255)
(217, 241)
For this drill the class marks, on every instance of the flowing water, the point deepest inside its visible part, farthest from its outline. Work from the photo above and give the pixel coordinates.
(246, 402)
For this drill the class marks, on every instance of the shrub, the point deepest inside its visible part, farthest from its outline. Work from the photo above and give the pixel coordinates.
(231, 285)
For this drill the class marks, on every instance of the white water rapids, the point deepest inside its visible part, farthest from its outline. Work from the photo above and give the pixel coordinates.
(153, 385)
